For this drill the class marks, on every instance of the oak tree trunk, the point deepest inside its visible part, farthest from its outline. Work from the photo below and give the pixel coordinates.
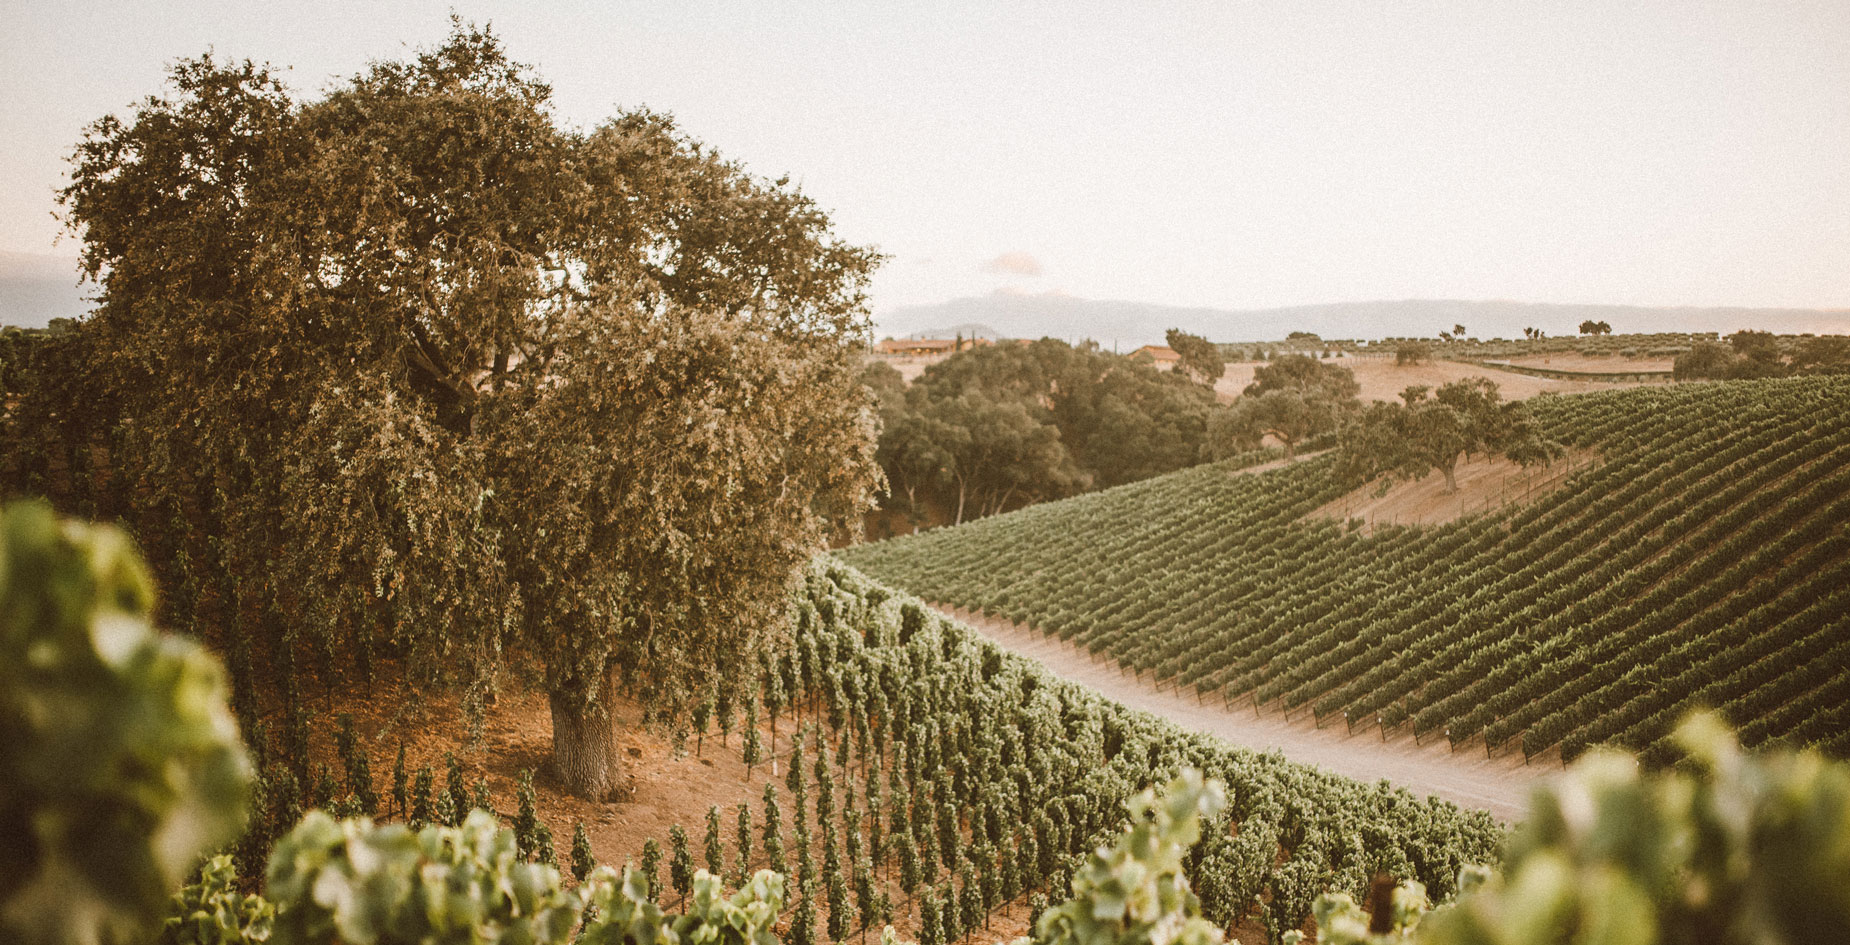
(584, 744)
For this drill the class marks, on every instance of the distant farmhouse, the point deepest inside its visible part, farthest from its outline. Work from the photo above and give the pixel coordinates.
(927, 347)
(1162, 356)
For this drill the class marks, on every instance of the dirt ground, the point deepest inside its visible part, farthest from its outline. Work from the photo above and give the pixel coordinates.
(1589, 363)
(1484, 484)
(667, 786)
(911, 367)
(1467, 777)
(1382, 379)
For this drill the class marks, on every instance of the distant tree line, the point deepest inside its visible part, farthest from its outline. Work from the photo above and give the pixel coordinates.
(1006, 425)
(1001, 427)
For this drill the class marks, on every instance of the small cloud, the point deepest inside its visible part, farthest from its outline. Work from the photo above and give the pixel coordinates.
(1014, 263)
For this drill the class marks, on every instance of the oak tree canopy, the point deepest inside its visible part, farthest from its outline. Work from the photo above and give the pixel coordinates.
(412, 366)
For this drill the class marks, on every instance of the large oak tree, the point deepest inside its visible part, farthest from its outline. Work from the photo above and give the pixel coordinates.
(413, 366)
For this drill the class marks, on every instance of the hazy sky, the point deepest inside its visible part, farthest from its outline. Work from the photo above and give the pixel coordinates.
(1222, 154)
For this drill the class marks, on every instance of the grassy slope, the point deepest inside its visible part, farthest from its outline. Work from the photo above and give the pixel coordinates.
(1705, 561)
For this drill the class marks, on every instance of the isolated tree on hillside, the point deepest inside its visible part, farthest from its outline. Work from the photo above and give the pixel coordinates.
(1290, 399)
(1307, 375)
(1434, 430)
(1591, 327)
(1201, 359)
(435, 373)
(1412, 352)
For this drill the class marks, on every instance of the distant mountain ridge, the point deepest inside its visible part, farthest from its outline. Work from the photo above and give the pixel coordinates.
(1126, 325)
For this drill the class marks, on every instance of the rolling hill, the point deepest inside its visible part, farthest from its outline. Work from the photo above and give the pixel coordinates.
(1702, 560)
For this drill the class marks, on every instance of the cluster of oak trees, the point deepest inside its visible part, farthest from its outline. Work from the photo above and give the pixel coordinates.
(1006, 425)
(1434, 429)
(1753, 354)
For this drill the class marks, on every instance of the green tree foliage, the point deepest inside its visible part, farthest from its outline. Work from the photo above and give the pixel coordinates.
(1756, 354)
(1009, 424)
(1591, 327)
(120, 763)
(1825, 354)
(1298, 372)
(1201, 359)
(1290, 399)
(1288, 416)
(1414, 352)
(1429, 432)
(407, 357)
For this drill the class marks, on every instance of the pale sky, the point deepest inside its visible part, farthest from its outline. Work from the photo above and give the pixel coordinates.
(1223, 154)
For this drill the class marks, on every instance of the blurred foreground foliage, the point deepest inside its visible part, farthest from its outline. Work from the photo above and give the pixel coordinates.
(1728, 848)
(120, 764)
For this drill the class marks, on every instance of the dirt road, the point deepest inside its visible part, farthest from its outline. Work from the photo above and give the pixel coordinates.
(1500, 785)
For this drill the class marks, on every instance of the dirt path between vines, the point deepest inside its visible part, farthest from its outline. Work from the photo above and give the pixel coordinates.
(1499, 785)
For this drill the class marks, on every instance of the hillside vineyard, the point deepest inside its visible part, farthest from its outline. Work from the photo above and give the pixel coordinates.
(982, 744)
(1702, 562)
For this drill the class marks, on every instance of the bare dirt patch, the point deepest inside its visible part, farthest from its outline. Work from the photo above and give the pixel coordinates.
(668, 785)
(1484, 484)
(1382, 379)
(1593, 364)
(910, 367)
